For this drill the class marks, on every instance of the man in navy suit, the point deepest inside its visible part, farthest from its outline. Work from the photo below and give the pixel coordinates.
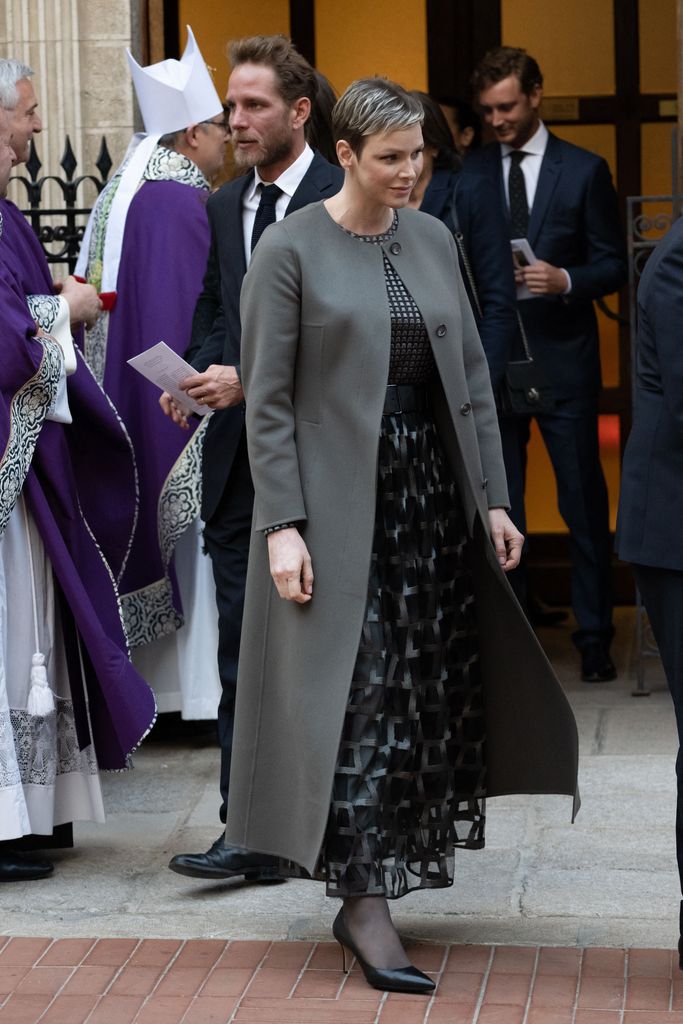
(270, 93)
(561, 199)
(648, 526)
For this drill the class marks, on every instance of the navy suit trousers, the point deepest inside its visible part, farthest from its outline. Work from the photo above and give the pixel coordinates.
(226, 536)
(570, 434)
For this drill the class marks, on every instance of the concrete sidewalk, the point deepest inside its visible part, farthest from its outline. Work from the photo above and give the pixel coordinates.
(608, 880)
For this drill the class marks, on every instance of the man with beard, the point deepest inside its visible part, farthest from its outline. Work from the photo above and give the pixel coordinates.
(270, 93)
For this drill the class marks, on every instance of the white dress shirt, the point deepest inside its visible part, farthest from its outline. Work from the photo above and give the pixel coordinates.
(531, 164)
(531, 168)
(289, 181)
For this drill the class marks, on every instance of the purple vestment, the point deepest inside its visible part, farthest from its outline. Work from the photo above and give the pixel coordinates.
(80, 489)
(163, 259)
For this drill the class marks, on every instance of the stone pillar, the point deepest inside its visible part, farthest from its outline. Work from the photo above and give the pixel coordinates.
(77, 50)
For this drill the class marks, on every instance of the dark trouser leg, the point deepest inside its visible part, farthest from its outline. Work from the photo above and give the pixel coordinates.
(514, 436)
(226, 536)
(570, 434)
(662, 593)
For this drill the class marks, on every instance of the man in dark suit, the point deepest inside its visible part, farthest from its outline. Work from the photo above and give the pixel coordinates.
(270, 93)
(648, 525)
(561, 199)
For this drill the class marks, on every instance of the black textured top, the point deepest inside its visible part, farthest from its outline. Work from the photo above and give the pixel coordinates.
(411, 360)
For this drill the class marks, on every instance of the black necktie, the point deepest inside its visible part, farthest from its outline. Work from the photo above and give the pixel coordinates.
(519, 207)
(265, 214)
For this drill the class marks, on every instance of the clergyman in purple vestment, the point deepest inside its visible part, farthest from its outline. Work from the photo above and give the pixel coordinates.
(70, 699)
(167, 589)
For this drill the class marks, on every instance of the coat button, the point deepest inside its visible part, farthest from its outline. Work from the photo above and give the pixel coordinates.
(484, 483)
(465, 409)
(395, 248)
(441, 330)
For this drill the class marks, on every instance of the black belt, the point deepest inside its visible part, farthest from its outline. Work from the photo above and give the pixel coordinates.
(405, 398)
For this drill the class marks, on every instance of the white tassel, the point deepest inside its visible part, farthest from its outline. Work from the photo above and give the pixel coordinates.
(41, 701)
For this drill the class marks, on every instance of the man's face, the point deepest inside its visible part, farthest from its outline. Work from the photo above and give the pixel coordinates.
(211, 139)
(24, 120)
(261, 123)
(512, 114)
(7, 157)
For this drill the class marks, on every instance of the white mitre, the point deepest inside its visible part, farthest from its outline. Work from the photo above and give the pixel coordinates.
(172, 94)
(175, 93)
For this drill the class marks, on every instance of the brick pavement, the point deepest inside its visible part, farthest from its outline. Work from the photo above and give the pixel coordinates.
(213, 981)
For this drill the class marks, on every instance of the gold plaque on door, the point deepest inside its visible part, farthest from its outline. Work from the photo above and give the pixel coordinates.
(560, 108)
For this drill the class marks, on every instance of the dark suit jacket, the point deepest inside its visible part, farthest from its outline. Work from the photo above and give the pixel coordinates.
(648, 527)
(482, 222)
(574, 223)
(216, 328)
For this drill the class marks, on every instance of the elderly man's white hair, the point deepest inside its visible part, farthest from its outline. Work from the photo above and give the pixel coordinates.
(11, 72)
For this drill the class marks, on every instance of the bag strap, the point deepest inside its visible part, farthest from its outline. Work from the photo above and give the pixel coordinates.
(462, 250)
(525, 340)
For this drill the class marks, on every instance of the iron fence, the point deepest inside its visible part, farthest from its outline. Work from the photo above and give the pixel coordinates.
(60, 228)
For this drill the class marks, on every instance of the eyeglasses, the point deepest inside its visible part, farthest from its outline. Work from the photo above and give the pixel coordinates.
(222, 124)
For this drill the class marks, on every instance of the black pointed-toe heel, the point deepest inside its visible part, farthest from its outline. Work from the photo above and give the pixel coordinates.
(397, 979)
(680, 953)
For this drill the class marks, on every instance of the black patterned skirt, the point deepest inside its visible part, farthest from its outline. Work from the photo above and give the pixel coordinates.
(409, 785)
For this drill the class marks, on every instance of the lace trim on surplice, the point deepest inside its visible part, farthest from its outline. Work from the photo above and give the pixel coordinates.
(28, 409)
(34, 751)
(149, 613)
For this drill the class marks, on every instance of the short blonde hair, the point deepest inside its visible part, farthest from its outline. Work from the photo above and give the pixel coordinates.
(370, 106)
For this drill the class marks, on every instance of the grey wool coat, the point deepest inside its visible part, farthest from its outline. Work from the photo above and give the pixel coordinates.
(315, 362)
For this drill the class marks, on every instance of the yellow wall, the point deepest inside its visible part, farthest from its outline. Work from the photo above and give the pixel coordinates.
(355, 39)
(572, 41)
(656, 158)
(657, 31)
(215, 22)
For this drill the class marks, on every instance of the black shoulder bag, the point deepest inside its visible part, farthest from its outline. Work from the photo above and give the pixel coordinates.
(524, 390)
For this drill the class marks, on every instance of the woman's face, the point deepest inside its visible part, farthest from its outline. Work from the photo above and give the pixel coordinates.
(389, 165)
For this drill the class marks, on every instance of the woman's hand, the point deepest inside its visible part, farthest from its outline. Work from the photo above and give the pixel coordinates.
(290, 565)
(506, 539)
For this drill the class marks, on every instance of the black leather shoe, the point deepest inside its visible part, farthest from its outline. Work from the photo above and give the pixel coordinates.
(396, 979)
(540, 614)
(596, 664)
(223, 861)
(15, 867)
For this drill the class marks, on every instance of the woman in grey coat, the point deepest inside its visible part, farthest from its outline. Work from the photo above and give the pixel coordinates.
(388, 681)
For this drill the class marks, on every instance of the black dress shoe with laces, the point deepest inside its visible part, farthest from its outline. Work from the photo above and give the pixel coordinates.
(222, 861)
(15, 867)
(596, 664)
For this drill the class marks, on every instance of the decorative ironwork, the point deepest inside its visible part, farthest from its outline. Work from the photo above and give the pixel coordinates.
(645, 229)
(60, 229)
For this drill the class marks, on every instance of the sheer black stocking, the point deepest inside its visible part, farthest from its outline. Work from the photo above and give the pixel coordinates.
(369, 924)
